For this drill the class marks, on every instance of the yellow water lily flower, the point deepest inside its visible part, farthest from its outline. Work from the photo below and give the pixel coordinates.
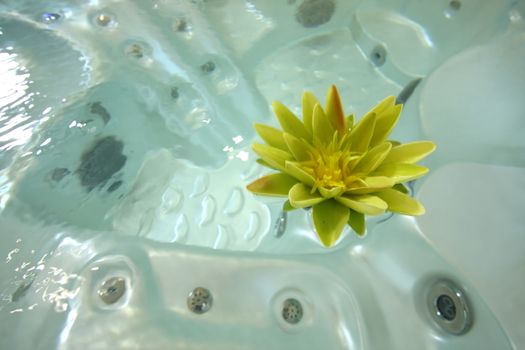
(342, 170)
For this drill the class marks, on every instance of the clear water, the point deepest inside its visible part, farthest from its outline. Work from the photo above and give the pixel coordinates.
(124, 151)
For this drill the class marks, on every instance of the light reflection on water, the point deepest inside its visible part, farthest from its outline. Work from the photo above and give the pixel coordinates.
(38, 70)
(38, 282)
(13, 92)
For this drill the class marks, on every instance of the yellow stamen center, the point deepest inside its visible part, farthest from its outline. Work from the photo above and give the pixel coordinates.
(328, 170)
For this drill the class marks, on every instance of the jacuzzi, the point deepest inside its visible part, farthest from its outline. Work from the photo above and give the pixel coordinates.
(125, 132)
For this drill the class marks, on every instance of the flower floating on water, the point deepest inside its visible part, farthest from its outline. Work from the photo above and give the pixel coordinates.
(342, 170)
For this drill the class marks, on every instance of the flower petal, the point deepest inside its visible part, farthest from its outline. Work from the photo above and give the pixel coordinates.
(323, 131)
(400, 172)
(295, 170)
(272, 136)
(349, 121)
(372, 159)
(401, 188)
(385, 123)
(289, 122)
(273, 185)
(287, 206)
(384, 105)
(271, 155)
(362, 133)
(401, 203)
(410, 152)
(352, 182)
(331, 192)
(357, 222)
(334, 110)
(372, 184)
(352, 161)
(300, 196)
(366, 204)
(309, 102)
(329, 218)
(263, 163)
(297, 147)
(394, 143)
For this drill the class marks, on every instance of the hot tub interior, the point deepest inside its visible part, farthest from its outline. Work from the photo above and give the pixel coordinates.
(125, 132)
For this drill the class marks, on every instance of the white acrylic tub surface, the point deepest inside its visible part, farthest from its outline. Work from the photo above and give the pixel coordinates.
(124, 152)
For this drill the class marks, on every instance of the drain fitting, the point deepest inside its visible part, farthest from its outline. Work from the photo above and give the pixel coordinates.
(199, 300)
(292, 311)
(449, 308)
(112, 290)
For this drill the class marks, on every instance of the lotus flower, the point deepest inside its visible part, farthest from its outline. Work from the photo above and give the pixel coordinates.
(342, 170)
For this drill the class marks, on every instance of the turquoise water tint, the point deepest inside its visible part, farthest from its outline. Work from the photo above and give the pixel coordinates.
(125, 132)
